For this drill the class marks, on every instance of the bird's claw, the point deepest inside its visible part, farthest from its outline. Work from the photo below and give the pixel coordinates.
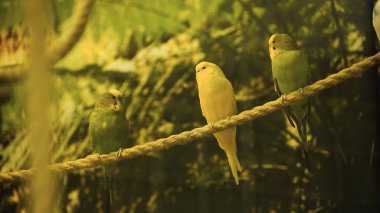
(282, 98)
(211, 124)
(228, 118)
(99, 158)
(300, 90)
(119, 152)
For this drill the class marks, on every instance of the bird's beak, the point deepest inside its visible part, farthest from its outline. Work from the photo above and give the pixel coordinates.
(117, 105)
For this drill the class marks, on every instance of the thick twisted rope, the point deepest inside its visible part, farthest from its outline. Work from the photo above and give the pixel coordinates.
(93, 161)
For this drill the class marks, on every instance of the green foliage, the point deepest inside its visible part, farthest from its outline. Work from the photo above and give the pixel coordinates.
(148, 50)
(10, 13)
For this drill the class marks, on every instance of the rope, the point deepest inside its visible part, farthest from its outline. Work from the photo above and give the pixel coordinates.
(66, 41)
(93, 161)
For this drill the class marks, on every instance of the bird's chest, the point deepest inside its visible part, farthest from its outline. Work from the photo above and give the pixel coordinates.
(106, 132)
(107, 123)
(289, 81)
(208, 86)
(291, 71)
(104, 124)
(284, 70)
(284, 74)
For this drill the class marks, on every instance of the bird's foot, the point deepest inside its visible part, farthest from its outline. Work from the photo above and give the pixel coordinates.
(99, 158)
(300, 90)
(283, 96)
(228, 118)
(211, 124)
(119, 152)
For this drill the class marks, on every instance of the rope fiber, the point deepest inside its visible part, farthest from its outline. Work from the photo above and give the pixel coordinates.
(93, 161)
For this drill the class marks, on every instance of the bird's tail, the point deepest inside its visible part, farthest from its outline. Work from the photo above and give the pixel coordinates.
(234, 163)
(307, 160)
(109, 178)
(226, 141)
(107, 194)
(302, 132)
(303, 136)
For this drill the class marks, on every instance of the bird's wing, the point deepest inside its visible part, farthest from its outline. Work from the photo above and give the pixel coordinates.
(226, 103)
(308, 103)
(304, 71)
(288, 109)
(203, 110)
(231, 98)
(291, 69)
(220, 103)
(91, 129)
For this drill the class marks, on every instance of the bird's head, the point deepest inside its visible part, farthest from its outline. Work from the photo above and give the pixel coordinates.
(208, 68)
(110, 100)
(280, 42)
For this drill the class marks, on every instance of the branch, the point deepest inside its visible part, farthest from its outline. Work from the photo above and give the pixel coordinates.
(339, 31)
(70, 36)
(60, 47)
(259, 21)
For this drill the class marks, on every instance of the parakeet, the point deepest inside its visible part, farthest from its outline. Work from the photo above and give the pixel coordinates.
(108, 130)
(376, 19)
(291, 72)
(217, 101)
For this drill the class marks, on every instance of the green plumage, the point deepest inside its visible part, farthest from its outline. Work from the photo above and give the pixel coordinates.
(290, 70)
(108, 133)
(108, 130)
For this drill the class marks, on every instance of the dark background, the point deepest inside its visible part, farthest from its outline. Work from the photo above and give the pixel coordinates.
(149, 50)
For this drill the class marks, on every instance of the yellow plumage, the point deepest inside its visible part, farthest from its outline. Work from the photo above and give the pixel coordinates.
(217, 101)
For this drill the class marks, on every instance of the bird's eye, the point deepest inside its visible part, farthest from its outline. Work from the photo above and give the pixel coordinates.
(203, 67)
(273, 42)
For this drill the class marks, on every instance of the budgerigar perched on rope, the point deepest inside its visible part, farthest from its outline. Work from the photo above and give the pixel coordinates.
(217, 101)
(108, 131)
(291, 72)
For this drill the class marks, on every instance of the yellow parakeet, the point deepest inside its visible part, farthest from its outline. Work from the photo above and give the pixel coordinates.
(217, 101)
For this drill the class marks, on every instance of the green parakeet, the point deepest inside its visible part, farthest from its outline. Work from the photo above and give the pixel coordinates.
(290, 70)
(108, 130)
(217, 101)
